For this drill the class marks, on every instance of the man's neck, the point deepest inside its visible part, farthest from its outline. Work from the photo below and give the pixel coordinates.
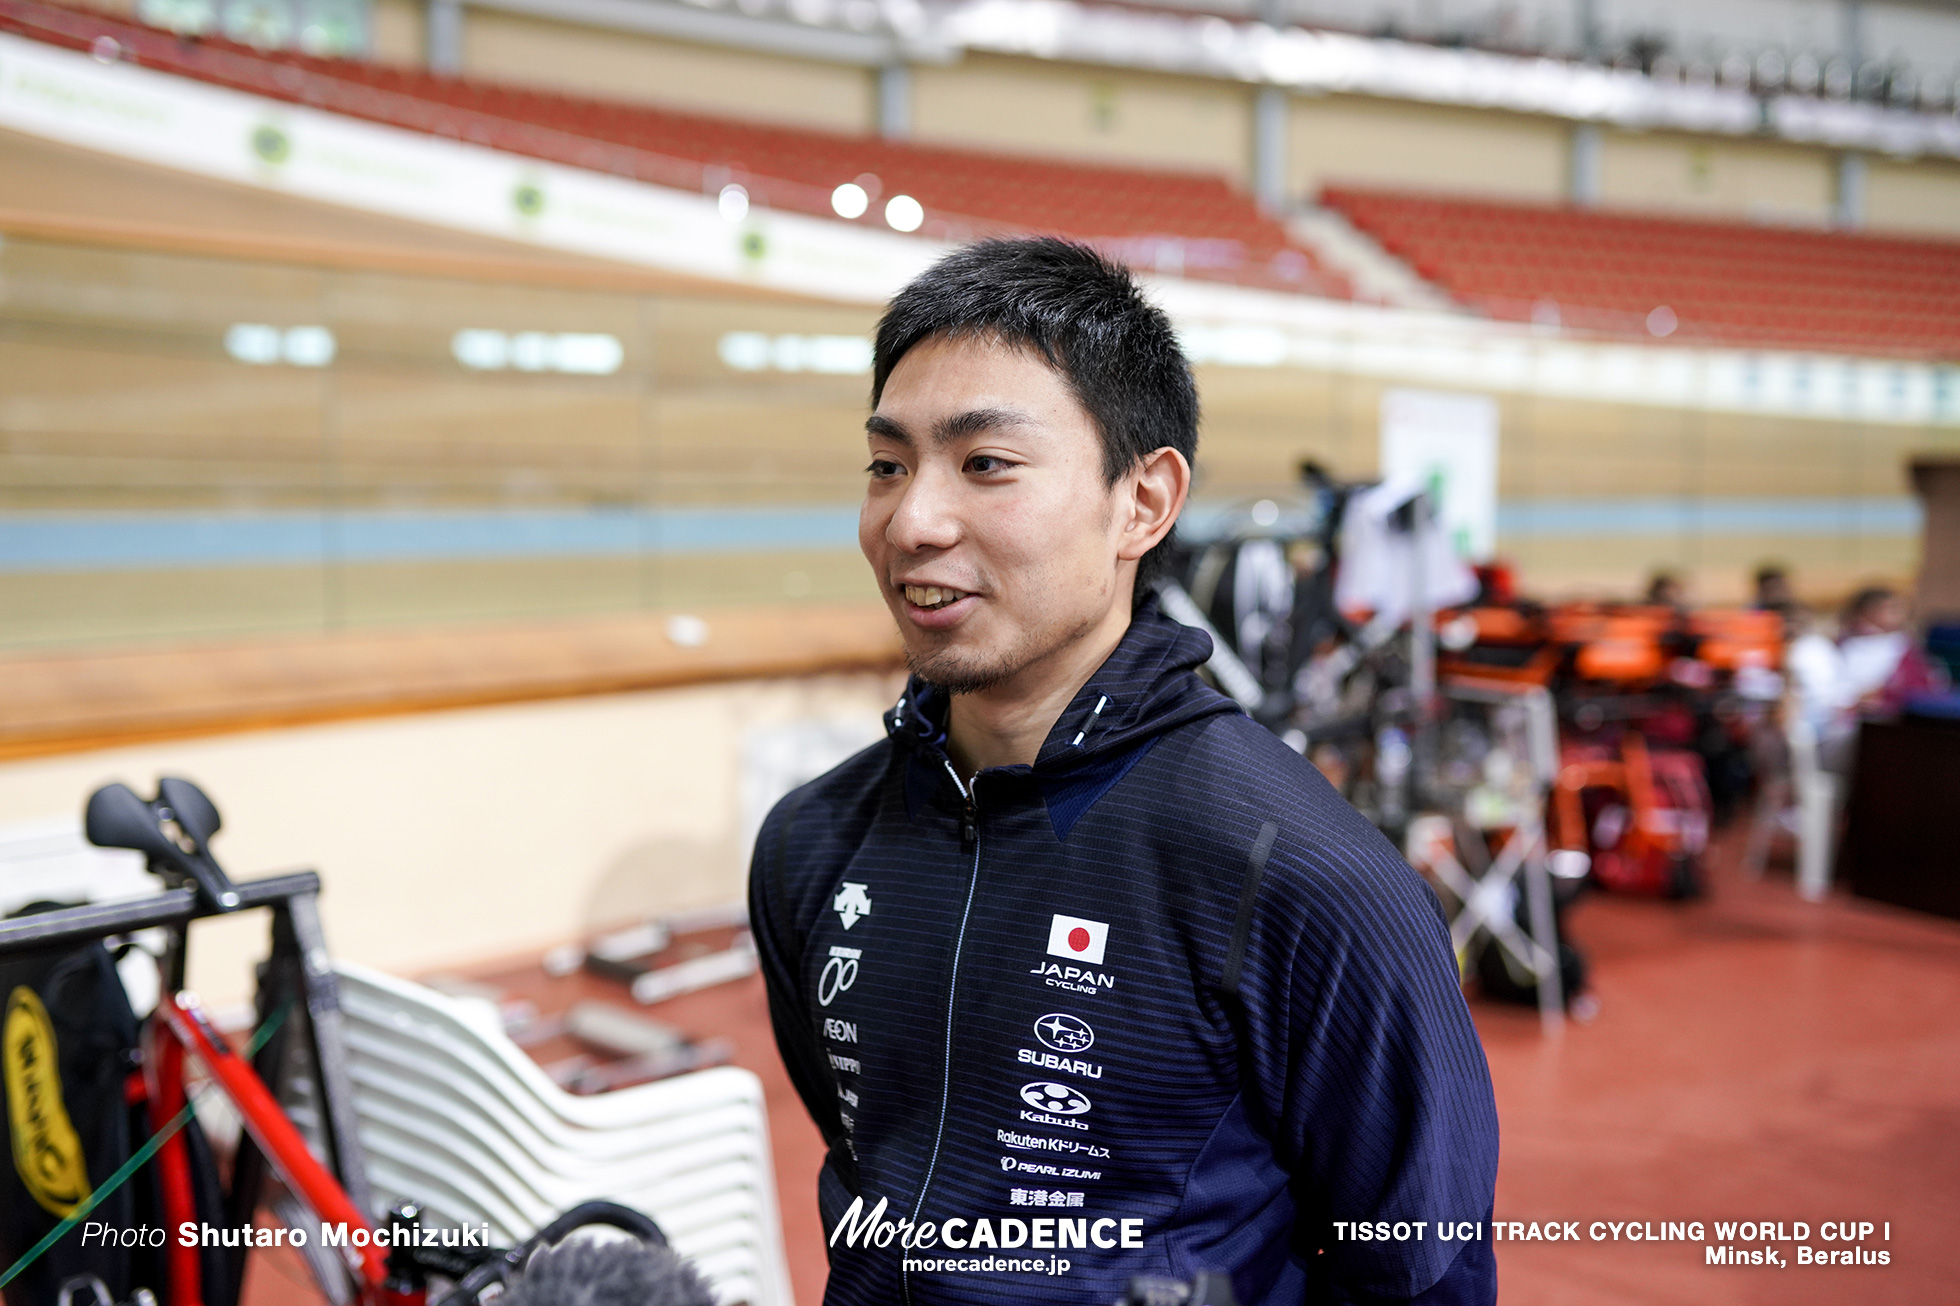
(1006, 725)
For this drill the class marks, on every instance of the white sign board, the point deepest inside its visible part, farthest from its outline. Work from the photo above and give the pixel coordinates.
(1446, 443)
(143, 114)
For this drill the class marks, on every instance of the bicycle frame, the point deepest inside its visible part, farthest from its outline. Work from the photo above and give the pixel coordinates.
(295, 978)
(171, 831)
(180, 1026)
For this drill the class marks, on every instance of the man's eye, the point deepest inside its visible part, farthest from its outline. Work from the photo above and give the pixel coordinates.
(986, 463)
(883, 468)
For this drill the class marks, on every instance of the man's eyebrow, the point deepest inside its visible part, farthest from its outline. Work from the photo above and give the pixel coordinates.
(888, 429)
(960, 426)
(976, 421)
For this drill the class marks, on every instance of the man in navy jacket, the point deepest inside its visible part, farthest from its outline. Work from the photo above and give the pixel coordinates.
(1083, 974)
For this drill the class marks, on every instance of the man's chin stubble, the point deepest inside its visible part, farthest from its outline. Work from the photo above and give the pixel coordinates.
(957, 672)
(947, 672)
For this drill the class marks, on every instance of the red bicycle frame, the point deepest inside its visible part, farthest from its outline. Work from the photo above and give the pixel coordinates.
(179, 1026)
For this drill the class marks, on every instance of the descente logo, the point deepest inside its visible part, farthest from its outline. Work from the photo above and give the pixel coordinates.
(861, 1230)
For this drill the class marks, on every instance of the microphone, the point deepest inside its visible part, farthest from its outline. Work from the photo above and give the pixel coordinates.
(613, 1272)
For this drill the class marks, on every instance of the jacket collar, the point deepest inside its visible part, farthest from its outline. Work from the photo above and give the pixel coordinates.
(1145, 687)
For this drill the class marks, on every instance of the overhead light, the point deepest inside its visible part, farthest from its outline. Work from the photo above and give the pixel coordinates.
(253, 342)
(307, 346)
(849, 200)
(755, 351)
(261, 344)
(904, 213)
(1662, 321)
(533, 351)
(733, 202)
(582, 353)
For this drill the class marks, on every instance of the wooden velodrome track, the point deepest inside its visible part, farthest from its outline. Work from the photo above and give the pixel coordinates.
(115, 394)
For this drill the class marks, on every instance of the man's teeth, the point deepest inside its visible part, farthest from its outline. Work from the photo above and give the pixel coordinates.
(932, 596)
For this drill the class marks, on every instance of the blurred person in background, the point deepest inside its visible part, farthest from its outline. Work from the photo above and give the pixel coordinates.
(1773, 593)
(1867, 671)
(1665, 590)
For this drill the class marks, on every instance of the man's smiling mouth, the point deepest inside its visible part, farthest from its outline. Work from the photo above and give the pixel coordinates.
(932, 596)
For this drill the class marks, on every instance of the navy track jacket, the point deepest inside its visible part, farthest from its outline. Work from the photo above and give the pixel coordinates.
(1160, 1003)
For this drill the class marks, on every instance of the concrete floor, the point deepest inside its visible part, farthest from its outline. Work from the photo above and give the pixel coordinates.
(1754, 1058)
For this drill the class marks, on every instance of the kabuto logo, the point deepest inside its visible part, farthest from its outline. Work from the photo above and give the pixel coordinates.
(1065, 1033)
(1058, 1099)
(852, 903)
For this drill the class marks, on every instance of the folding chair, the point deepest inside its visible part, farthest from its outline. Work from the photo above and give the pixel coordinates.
(1485, 898)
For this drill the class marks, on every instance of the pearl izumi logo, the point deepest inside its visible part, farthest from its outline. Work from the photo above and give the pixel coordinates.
(1077, 939)
(851, 903)
(1065, 1033)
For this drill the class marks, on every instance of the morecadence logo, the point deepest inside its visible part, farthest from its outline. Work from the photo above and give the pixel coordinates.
(858, 1229)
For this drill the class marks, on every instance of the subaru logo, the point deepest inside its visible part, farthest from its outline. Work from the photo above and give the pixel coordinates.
(1056, 1099)
(1063, 1032)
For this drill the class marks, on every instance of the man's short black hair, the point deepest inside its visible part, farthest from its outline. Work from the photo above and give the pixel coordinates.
(1082, 313)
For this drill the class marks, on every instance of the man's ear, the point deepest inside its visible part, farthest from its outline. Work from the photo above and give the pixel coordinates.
(1150, 498)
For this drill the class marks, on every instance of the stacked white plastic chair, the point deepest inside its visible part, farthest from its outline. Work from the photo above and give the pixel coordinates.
(454, 1116)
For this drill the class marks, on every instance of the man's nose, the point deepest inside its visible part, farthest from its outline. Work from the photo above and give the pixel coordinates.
(927, 515)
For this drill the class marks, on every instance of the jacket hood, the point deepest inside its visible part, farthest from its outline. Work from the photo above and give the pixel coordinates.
(1145, 687)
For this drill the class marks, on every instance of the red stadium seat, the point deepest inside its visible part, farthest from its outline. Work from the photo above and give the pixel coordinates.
(1726, 282)
(1226, 235)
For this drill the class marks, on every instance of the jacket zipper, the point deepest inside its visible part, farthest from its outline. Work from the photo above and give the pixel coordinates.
(969, 838)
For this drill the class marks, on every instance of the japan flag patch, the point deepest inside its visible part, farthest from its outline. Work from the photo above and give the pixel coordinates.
(1077, 939)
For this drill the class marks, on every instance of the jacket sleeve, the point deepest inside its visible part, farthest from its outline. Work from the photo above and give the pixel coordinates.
(1470, 1280)
(779, 952)
(1364, 1064)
